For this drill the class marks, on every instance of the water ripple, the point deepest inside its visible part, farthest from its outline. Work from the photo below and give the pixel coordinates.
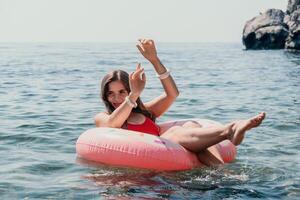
(50, 93)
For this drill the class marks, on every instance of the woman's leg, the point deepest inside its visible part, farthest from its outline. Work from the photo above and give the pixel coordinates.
(199, 139)
(210, 156)
(240, 127)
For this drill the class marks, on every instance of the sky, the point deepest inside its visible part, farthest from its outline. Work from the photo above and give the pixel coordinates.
(128, 20)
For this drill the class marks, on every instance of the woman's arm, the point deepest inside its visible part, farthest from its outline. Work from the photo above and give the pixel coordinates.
(160, 104)
(116, 119)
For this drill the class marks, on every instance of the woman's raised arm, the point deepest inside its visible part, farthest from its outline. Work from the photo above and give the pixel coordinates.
(160, 104)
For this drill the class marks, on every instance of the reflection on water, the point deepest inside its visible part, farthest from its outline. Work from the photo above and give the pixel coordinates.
(124, 183)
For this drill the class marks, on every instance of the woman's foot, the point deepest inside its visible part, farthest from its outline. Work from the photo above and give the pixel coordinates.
(240, 127)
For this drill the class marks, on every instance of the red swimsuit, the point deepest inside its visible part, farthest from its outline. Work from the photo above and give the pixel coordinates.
(147, 127)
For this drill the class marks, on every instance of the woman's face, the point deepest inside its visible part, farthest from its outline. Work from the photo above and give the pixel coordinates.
(116, 93)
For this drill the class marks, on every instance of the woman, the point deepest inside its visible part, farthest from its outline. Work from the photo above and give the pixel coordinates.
(121, 94)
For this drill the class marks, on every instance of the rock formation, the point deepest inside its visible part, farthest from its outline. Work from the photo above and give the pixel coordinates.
(274, 29)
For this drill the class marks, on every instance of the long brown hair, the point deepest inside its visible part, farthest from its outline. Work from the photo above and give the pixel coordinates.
(120, 75)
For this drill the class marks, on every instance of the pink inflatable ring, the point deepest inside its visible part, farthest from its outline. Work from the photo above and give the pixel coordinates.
(121, 147)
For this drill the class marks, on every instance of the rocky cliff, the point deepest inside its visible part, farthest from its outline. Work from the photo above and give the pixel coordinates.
(274, 29)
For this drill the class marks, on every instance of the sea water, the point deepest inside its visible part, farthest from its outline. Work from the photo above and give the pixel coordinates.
(49, 94)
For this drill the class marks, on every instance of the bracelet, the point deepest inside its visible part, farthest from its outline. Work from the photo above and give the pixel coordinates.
(130, 103)
(164, 75)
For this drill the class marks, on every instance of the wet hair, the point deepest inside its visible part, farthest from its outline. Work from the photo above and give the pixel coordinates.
(120, 75)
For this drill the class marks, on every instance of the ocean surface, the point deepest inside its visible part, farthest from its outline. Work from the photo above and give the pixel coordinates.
(49, 94)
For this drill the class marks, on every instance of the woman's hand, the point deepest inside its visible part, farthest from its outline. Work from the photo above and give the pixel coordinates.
(137, 81)
(147, 49)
